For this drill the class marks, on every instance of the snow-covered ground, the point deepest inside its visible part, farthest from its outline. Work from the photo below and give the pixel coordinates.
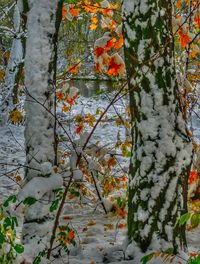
(98, 236)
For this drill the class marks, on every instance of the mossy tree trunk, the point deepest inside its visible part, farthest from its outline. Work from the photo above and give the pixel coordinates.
(162, 151)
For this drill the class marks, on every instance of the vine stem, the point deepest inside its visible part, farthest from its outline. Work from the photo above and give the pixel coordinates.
(56, 223)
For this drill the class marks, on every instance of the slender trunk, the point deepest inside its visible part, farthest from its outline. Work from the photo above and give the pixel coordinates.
(13, 68)
(43, 22)
(162, 151)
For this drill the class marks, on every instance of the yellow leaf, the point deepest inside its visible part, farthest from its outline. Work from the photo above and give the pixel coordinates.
(93, 26)
(15, 116)
(2, 74)
(91, 223)
(109, 226)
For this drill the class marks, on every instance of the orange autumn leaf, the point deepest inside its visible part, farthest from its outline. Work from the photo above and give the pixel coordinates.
(178, 4)
(71, 100)
(94, 20)
(93, 26)
(113, 25)
(120, 225)
(90, 7)
(60, 95)
(15, 116)
(74, 11)
(70, 235)
(120, 42)
(120, 211)
(197, 21)
(184, 39)
(74, 69)
(193, 177)
(193, 53)
(111, 162)
(65, 108)
(113, 68)
(18, 178)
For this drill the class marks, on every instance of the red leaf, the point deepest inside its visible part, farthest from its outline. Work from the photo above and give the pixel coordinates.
(193, 177)
(98, 51)
(79, 128)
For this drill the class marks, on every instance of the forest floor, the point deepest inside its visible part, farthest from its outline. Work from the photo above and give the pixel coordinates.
(99, 237)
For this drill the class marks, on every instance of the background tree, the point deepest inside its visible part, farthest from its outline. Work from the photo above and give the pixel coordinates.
(161, 154)
(15, 63)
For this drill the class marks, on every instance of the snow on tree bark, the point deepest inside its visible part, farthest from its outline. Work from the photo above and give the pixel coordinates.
(12, 70)
(40, 74)
(162, 151)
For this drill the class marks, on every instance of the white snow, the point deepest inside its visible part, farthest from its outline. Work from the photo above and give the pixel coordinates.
(38, 186)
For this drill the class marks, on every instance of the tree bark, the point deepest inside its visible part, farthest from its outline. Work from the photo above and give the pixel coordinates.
(43, 23)
(162, 151)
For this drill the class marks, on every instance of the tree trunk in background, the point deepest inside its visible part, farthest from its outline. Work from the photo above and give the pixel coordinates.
(162, 151)
(14, 65)
(43, 23)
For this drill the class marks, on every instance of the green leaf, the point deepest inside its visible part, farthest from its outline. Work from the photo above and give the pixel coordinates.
(29, 201)
(169, 251)
(1, 238)
(73, 243)
(98, 92)
(7, 223)
(195, 220)
(184, 218)
(194, 260)
(15, 220)
(37, 260)
(147, 258)
(66, 249)
(74, 192)
(119, 202)
(63, 234)
(19, 248)
(54, 205)
(10, 199)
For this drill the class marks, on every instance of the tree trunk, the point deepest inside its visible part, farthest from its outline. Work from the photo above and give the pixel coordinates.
(162, 151)
(43, 23)
(13, 67)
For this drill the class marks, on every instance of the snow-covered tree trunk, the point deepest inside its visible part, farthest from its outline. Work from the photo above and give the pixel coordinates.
(162, 151)
(13, 67)
(43, 22)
